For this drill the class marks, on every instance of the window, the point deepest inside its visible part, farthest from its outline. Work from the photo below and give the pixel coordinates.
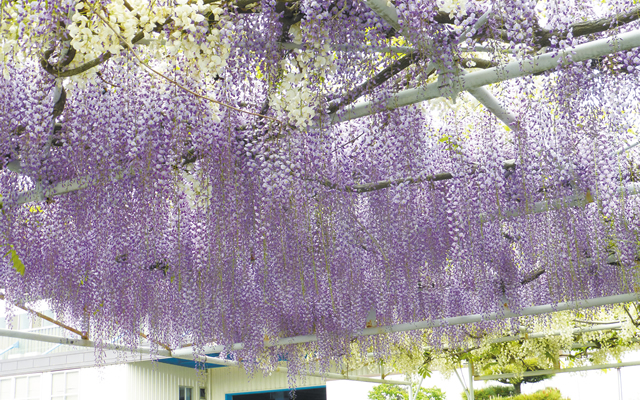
(317, 393)
(49, 314)
(36, 322)
(185, 393)
(64, 386)
(23, 322)
(20, 388)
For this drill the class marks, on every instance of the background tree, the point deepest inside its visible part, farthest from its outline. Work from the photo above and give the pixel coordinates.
(502, 358)
(393, 392)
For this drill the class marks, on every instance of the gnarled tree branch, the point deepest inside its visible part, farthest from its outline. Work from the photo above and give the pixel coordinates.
(373, 186)
(475, 62)
(380, 78)
(93, 63)
(589, 27)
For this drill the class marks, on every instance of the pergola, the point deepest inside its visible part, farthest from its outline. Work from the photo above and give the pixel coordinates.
(345, 212)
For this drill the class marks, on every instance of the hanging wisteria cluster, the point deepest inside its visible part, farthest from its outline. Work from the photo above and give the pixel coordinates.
(201, 171)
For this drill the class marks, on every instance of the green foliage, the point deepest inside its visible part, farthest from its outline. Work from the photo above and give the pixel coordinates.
(545, 394)
(425, 369)
(430, 394)
(507, 393)
(491, 392)
(391, 392)
(15, 259)
(517, 357)
(388, 392)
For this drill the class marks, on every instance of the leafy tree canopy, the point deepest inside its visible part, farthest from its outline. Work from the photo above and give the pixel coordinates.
(392, 392)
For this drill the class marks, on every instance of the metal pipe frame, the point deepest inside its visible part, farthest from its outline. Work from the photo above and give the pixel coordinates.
(69, 186)
(186, 355)
(470, 387)
(555, 371)
(539, 335)
(385, 11)
(46, 318)
(474, 80)
(337, 47)
(353, 48)
(237, 364)
(390, 15)
(471, 82)
(460, 320)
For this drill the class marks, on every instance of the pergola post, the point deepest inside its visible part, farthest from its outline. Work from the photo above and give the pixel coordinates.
(619, 383)
(470, 387)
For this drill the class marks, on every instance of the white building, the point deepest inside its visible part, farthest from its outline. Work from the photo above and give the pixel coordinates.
(31, 370)
(38, 370)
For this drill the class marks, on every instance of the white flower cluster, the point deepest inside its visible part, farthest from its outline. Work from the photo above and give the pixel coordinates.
(208, 48)
(91, 37)
(295, 97)
(453, 7)
(196, 187)
(211, 52)
(13, 30)
(9, 34)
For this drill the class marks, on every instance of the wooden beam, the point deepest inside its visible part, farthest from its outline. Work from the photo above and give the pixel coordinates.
(164, 346)
(53, 321)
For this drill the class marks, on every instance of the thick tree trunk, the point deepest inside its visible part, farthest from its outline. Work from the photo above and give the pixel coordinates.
(517, 387)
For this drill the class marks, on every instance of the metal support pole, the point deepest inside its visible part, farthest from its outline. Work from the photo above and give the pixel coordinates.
(464, 385)
(471, 393)
(414, 393)
(576, 331)
(619, 383)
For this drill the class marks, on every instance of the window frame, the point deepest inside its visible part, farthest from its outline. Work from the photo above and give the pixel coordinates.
(12, 392)
(190, 388)
(66, 395)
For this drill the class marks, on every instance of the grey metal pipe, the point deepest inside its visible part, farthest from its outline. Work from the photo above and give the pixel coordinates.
(556, 371)
(544, 62)
(461, 320)
(189, 356)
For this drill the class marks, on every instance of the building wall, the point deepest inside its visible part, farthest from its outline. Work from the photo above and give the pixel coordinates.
(84, 358)
(105, 383)
(158, 381)
(143, 380)
(224, 381)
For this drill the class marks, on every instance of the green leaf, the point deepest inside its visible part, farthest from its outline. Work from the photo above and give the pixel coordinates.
(17, 263)
(424, 371)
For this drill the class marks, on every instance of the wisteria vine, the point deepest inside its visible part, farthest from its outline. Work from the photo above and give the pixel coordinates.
(137, 205)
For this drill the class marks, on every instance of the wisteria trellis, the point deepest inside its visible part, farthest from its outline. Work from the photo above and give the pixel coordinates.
(237, 171)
